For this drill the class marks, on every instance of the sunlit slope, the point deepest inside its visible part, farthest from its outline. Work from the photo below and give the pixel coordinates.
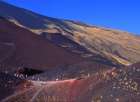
(117, 46)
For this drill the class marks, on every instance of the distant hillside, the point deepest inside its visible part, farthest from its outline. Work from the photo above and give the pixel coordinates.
(117, 46)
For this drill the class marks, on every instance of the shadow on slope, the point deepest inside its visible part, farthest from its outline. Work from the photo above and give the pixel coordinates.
(33, 51)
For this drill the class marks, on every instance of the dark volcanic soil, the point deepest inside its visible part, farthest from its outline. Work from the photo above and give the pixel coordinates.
(33, 51)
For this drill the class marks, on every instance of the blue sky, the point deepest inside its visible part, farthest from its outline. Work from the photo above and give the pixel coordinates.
(117, 14)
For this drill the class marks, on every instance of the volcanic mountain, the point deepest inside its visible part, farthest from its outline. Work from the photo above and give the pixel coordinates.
(118, 47)
(22, 48)
(74, 62)
(33, 54)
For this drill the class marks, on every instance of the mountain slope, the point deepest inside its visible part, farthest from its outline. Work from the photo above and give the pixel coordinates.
(31, 50)
(6, 50)
(110, 44)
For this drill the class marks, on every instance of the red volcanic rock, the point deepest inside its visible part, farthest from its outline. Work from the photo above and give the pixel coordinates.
(33, 51)
(72, 90)
(116, 85)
